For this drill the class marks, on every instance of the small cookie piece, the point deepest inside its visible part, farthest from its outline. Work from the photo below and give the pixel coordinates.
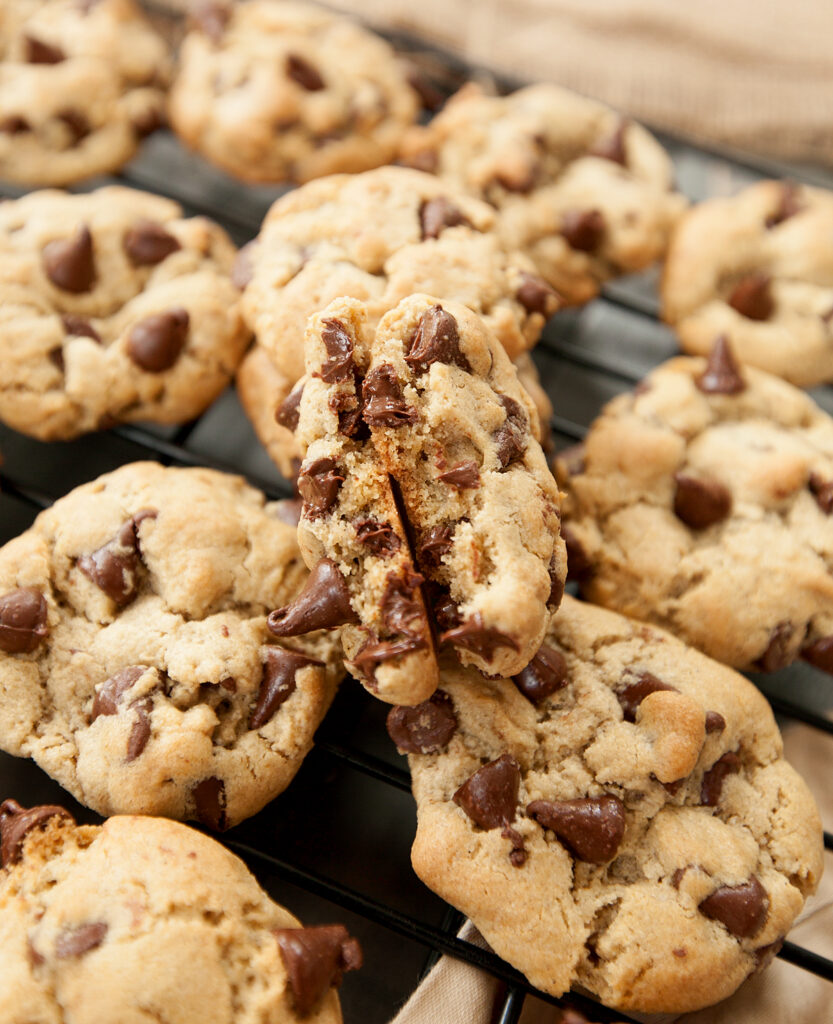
(703, 501)
(147, 917)
(135, 663)
(113, 308)
(288, 92)
(80, 85)
(757, 268)
(426, 496)
(587, 194)
(628, 826)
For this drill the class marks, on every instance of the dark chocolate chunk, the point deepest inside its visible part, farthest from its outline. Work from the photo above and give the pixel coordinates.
(712, 785)
(155, 342)
(822, 491)
(242, 271)
(591, 827)
(465, 475)
(376, 652)
(742, 909)
(434, 544)
(17, 822)
(210, 18)
(435, 340)
(140, 730)
(315, 960)
(511, 438)
(423, 729)
(350, 409)
(318, 484)
(490, 796)
(584, 230)
(788, 205)
(377, 537)
(288, 413)
(722, 374)
(322, 604)
(820, 653)
(536, 296)
(752, 297)
(79, 327)
(546, 673)
(780, 650)
(478, 638)
(114, 568)
(78, 941)
(108, 695)
(300, 70)
(612, 147)
(76, 123)
(700, 503)
(401, 610)
(339, 346)
(148, 243)
(384, 404)
(278, 682)
(437, 214)
(38, 52)
(69, 263)
(579, 564)
(210, 803)
(633, 693)
(715, 722)
(23, 615)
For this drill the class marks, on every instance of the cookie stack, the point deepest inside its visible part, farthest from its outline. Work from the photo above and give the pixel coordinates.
(597, 788)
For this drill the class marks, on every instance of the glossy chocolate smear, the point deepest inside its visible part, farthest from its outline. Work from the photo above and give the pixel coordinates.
(700, 503)
(109, 694)
(211, 19)
(536, 296)
(822, 491)
(511, 438)
(612, 147)
(434, 544)
(155, 342)
(315, 960)
(379, 538)
(712, 786)
(435, 215)
(401, 610)
(73, 942)
(69, 263)
(779, 650)
(38, 52)
(148, 243)
(300, 70)
(17, 822)
(490, 796)
(632, 695)
(377, 652)
(752, 297)
(591, 827)
(788, 205)
(318, 484)
(742, 909)
(820, 653)
(423, 729)
(322, 604)
(435, 340)
(278, 682)
(210, 803)
(288, 413)
(23, 614)
(114, 568)
(545, 674)
(140, 730)
(384, 404)
(79, 327)
(473, 635)
(722, 374)
(583, 230)
(339, 345)
(464, 476)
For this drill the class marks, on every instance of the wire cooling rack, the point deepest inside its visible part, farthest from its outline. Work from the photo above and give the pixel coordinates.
(336, 845)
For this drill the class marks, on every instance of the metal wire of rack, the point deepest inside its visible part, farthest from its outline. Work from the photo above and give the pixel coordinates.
(602, 347)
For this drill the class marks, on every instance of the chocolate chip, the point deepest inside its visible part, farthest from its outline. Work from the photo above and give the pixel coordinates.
(579, 564)
(446, 612)
(742, 909)
(78, 941)
(474, 636)
(820, 653)
(632, 695)
(114, 567)
(384, 404)
(140, 731)
(423, 729)
(76, 123)
(322, 604)
(715, 722)
(339, 346)
(584, 230)
(788, 205)
(17, 822)
(752, 297)
(376, 652)
(301, 71)
(288, 412)
(377, 537)
(349, 407)
(211, 19)
(591, 827)
(435, 340)
(319, 483)
(779, 650)
(822, 491)
(401, 610)
(315, 960)
(155, 342)
(700, 503)
(69, 263)
(722, 373)
(278, 682)
(23, 615)
(108, 695)
(511, 438)
(242, 270)
(210, 803)
(556, 586)
(148, 243)
(437, 214)
(612, 147)
(536, 296)
(38, 52)
(79, 327)
(490, 796)
(13, 124)
(712, 786)
(434, 544)
(546, 673)
(464, 475)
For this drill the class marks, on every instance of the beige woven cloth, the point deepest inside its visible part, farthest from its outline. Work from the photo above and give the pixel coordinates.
(756, 74)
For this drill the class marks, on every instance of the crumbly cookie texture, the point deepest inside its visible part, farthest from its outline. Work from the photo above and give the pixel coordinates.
(81, 83)
(618, 816)
(135, 663)
(428, 505)
(113, 308)
(145, 919)
(288, 92)
(703, 501)
(758, 269)
(587, 194)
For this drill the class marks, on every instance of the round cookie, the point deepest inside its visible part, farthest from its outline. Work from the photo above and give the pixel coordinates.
(288, 92)
(703, 501)
(758, 269)
(145, 919)
(113, 308)
(618, 816)
(587, 194)
(81, 83)
(135, 663)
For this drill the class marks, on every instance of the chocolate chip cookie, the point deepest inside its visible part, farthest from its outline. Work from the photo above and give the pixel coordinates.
(758, 269)
(113, 308)
(586, 193)
(703, 501)
(144, 918)
(429, 514)
(275, 91)
(618, 816)
(81, 83)
(135, 663)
